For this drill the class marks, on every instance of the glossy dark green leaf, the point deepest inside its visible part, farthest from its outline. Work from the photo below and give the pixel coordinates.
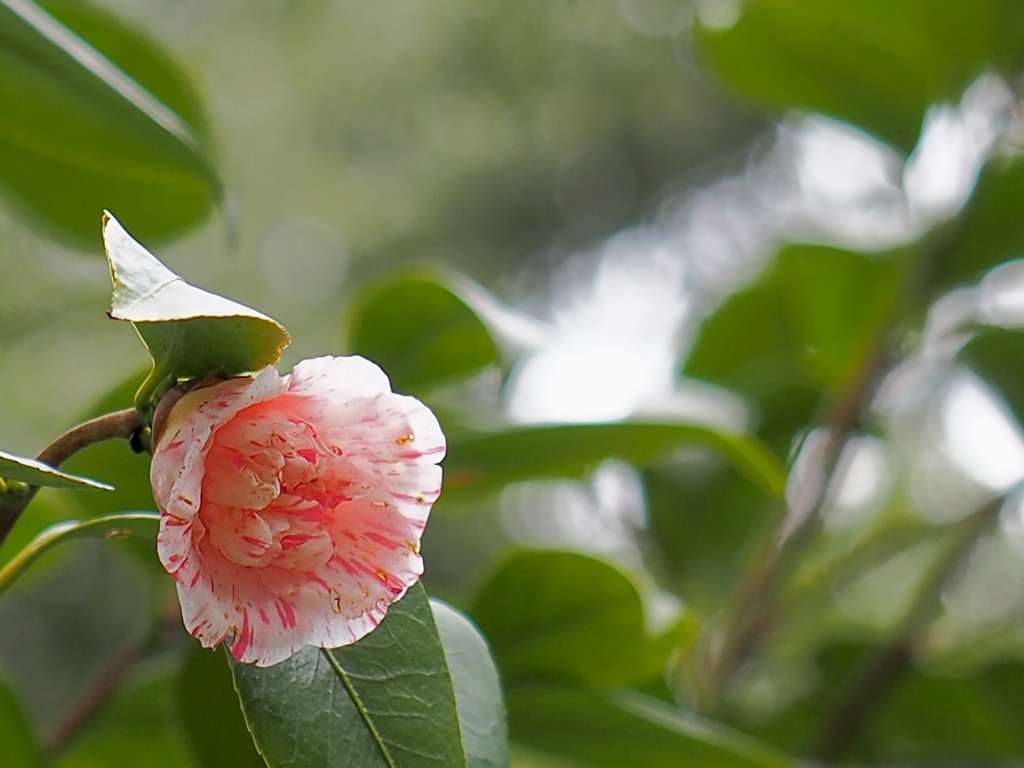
(19, 745)
(990, 230)
(143, 524)
(37, 473)
(189, 332)
(385, 701)
(613, 729)
(479, 462)
(567, 616)
(96, 117)
(477, 689)
(874, 63)
(209, 711)
(806, 325)
(137, 726)
(998, 355)
(426, 328)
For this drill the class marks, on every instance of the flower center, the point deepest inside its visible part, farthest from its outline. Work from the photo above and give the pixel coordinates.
(262, 502)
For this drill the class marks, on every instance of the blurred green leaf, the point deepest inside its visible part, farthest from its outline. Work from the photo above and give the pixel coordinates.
(110, 527)
(990, 229)
(384, 701)
(997, 354)
(485, 462)
(750, 344)
(807, 324)
(131, 51)
(705, 523)
(838, 300)
(819, 682)
(570, 617)
(923, 716)
(874, 63)
(106, 115)
(135, 727)
(209, 711)
(427, 327)
(615, 729)
(45, 510)
(189, 332)
(19, 745)
(37, 473)
(931, 718)
(477, 689)
(75, 627)
(419, 330)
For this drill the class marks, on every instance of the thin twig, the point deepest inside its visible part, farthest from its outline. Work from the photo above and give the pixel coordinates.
(756, 614)
(896, 657)
(86, 707)
(112, 426)
(96, 696)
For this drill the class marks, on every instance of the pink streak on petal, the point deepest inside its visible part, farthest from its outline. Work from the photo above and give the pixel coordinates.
(177, 472)
(337, 379)
(287, 614)
(243, 639)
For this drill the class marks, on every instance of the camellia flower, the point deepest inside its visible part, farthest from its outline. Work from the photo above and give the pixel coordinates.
(292, 506)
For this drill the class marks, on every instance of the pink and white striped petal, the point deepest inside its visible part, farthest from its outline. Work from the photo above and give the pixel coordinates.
(293, 507)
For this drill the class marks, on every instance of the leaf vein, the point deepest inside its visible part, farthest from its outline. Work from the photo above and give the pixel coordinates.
(360, 707)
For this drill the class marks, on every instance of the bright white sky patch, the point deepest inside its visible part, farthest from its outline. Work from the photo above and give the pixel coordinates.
(954, 143)
(1002, 295)
(612, 346)
(861, 482)
(840, 163)
(719, 14)
(981, 436)
(941, 172)
(846, 187)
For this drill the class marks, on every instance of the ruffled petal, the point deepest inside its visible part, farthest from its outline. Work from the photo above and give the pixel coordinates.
(337, 379)
(178, 466)
(204, 592)
(394, 429)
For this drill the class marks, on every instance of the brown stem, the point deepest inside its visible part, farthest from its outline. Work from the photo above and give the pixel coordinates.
(118, 425)
(86, 707)
(756, 613)
(856, 706)
(95, 697)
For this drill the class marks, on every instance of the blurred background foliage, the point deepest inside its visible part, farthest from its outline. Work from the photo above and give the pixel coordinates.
(718, 302)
